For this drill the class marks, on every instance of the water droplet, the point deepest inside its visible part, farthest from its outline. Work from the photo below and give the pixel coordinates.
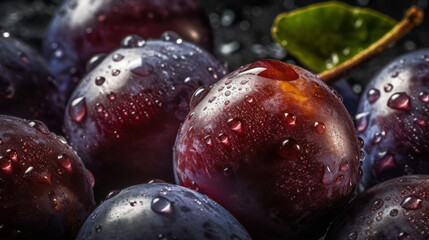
(198, 96)
(6, 165)
(399, 101)
(112, 194)
(115, 72)
(161, 205)
(12, 154)
(378, 203)
(388, 87)
(94, 61)
(40, 178)
(403, 236)
(248, 99)
(424, 97)
(339, 179)
(23, 56)
(361, 142)
(133, 41)
(319, 127)
(77, 109)
(144, 69)
(212, 72)
(117, 57)
(179, 41)
(344, 166)
(111, 96)
(99, 107)
(393, 212)
(373, 95)
(235, 125)
(133, 203)
(64, 161)
(98, 228)
(362, 121)
(411, 203)
(208, 140)
(40, 126)
(290, 119)
(170, 36)
(53, 201)
(223, 138)
(378, 136)
(227, 172)
(353, 236)
(290, 149)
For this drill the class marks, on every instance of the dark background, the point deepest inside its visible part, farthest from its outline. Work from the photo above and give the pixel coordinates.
(241, 28)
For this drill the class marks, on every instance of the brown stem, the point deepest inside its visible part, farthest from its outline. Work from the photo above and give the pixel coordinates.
(412, 18)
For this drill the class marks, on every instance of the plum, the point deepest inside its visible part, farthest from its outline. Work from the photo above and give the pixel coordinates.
(393, 119)
(124, 115)
(161, 211)
(81, 29)
(275, 146)
(394, 209)
(45, 190)
(27, 87)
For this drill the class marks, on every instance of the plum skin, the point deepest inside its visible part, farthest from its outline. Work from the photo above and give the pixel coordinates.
(275, 146)
(45, 190)
(393, 119)
(27, 86)
(161, 211)
(394, 209)
(124, 126)
(81, 29)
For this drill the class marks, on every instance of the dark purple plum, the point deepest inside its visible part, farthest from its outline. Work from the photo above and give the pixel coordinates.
(395, 209)
(81, 29)
(124, 115)
(27, 88)
(45, 190)
(275, 146)
(161, 211)
(393, 119)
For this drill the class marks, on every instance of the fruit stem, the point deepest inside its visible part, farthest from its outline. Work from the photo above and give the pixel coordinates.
(412, 18)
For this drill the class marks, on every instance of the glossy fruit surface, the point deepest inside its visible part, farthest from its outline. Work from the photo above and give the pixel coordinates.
(275, 146)
(45, 190)
(395, 209)
(124, 115)
(393, 119)
(161, 211)
(27, 88)
(84, 28)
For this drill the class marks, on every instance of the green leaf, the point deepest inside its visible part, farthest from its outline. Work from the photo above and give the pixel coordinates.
(324, 35)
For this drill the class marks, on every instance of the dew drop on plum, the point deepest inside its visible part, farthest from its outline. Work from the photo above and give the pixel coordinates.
(373, 95)
(100, 80)
(161, 205)
(399, 101)
(132, 41)
(197, 96)
(77, 109)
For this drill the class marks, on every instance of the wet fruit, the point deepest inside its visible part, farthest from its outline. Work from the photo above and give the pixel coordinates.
(27, 88)
(395, 209)
(45, 190)
(161, 211)
(123, 117)
(393, 119)
(275, 146)
(84, 28)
